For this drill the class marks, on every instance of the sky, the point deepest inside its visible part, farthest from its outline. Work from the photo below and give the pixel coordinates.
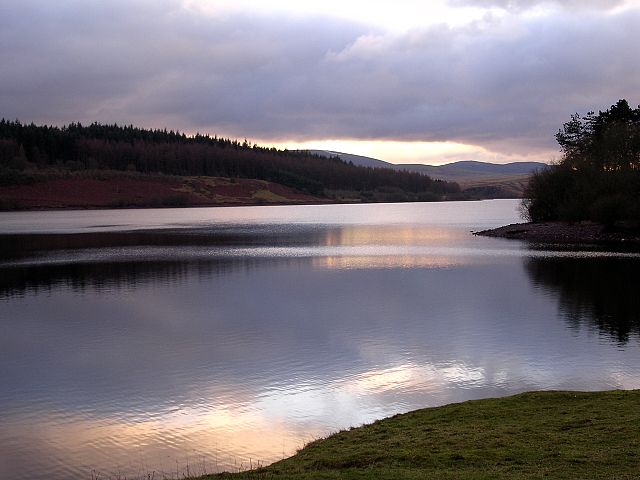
(406, 81)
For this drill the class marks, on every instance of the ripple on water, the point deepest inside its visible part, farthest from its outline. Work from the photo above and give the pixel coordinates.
(231, 340)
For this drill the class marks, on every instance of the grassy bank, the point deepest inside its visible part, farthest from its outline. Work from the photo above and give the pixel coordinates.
(556, 435)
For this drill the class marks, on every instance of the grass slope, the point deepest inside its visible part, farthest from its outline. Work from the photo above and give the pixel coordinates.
(560, 435)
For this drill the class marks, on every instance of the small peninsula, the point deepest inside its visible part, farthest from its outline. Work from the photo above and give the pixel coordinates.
(592, 195)
(563, 232)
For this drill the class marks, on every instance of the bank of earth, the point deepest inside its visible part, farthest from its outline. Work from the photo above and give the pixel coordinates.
(559, 435)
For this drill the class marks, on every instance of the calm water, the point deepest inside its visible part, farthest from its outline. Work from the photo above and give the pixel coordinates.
(135, 341)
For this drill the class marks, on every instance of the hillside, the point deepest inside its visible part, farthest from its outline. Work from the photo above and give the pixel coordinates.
(471, 167)
(31, 154)
(477, 179)
(483, 179)
(110, 189)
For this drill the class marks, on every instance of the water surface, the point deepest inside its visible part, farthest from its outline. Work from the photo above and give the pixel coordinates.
(134, 341)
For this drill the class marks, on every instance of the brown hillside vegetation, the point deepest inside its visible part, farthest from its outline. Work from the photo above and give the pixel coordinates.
(117, 190)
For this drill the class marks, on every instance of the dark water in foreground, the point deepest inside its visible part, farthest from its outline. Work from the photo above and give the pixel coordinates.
(203, 339)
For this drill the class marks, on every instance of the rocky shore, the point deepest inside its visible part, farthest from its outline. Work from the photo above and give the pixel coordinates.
(563, 232)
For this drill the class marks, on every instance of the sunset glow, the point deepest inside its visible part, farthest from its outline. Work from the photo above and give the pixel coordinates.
(432, 153)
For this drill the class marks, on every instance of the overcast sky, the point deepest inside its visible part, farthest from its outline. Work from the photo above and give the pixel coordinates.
(403, 80)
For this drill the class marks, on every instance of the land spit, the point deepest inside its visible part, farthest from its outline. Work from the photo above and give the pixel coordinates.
(565, 232)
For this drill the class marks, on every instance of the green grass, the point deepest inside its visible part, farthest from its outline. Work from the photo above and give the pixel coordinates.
(556, 435)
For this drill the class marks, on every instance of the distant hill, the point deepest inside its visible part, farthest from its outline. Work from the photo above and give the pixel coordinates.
(460, 168)
(470, 167)
(479, 179)
(355, 159)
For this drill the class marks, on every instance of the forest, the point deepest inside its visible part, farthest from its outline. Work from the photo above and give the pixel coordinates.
(598, 177)
(28, 150)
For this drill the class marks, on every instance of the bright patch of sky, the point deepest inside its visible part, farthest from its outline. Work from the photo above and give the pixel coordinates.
(395, 15)
(402, 15)
(431, 153)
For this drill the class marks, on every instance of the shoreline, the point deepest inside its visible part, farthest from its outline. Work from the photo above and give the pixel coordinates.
(564, 233)
(65, 208)
(122, 190)
(230, 204)
(555, 434)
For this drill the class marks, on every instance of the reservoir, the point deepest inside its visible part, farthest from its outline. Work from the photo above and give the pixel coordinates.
(184, 341)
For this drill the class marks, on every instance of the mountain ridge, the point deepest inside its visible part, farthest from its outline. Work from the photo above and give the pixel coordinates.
(482, 179)
(475, 166)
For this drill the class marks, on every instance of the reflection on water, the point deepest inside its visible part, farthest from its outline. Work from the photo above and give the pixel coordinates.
(217, 345)
(113, 276)
(600, 292)
(116, 259)
(391, 235)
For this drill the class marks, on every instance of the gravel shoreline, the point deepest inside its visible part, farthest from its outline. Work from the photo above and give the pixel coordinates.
(562, 232)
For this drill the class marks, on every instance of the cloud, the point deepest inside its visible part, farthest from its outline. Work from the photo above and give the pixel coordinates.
(520, 5)
(505, 84)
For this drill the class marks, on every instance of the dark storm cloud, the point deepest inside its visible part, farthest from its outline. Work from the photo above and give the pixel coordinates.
(505, 84)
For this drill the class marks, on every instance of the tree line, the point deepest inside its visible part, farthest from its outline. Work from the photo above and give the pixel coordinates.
(598, 176)
(29, 147)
